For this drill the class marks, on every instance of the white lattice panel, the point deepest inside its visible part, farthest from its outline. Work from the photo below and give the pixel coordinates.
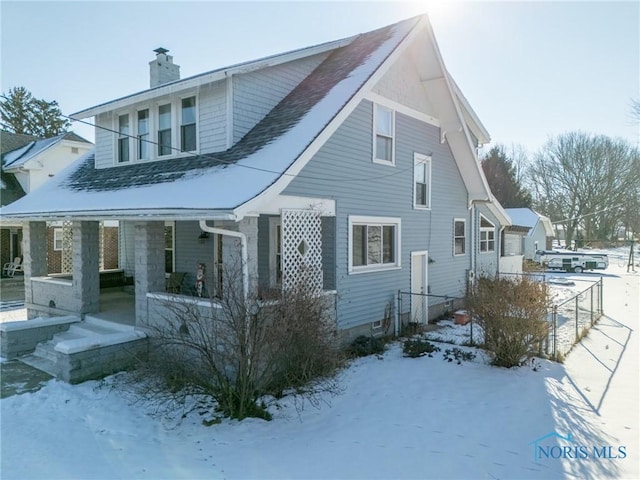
(301, 249)
(67, 247)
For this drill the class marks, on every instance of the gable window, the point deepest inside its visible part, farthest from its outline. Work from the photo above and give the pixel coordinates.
(459, 236)
(164, 130)
(143, 134)
(188, 125)
(57, 239)
(487, 235)
(123, 138)
(374, 243)
(421, 181)
(383, 135)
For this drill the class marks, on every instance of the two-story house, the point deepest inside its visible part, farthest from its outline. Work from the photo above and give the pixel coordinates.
(353, 160)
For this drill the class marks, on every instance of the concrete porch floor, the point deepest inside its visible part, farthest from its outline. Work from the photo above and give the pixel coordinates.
(116, 305)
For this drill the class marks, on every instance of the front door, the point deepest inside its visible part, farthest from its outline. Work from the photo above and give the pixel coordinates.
(419, 311)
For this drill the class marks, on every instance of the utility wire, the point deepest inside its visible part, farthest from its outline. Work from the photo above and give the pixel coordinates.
(228, 162)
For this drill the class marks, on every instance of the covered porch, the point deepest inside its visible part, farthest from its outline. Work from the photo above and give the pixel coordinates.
(178, 260)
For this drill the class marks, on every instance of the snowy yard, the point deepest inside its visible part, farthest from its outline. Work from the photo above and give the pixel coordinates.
(396, 418)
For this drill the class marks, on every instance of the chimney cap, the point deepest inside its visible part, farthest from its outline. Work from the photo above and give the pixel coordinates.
(160, 50)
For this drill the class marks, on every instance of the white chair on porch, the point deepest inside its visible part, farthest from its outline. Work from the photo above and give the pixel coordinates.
(10, 268)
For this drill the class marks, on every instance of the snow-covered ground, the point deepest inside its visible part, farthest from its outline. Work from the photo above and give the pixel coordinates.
(397, 418)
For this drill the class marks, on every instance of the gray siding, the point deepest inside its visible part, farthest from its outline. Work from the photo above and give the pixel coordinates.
(189, 252)
(212, 112)
(256, 93)
(343, 170)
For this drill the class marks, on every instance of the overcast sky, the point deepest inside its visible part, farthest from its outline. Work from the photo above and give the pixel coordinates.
(530, 70)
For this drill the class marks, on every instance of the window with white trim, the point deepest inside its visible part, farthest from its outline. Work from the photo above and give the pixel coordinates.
(160, 130)
(123, 138)
(143, 134)
(383, 141)
(487, 235)
(164, 130)
(374, 243)
(57, 239)
(459, 236)
(188, 125)
(421, 181)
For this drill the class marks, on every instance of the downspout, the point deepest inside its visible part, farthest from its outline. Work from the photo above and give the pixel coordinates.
(243, 245)
(472, 272)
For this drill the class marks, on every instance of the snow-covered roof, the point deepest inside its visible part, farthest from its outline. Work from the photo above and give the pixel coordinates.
(19, 157)
(218, 183)
(529, 218)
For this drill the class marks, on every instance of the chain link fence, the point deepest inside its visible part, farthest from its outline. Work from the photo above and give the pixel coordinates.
(570, 320)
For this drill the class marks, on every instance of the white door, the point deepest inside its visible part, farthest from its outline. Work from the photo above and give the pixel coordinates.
(419, 313)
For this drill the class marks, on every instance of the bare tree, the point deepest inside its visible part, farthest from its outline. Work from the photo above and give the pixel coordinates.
(586, 182)
(240, 348)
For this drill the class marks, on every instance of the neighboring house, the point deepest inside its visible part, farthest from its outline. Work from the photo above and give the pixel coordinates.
(353, 160)
(541, 233)
(27, 163)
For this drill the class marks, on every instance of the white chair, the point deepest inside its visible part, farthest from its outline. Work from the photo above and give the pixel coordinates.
(10, 268)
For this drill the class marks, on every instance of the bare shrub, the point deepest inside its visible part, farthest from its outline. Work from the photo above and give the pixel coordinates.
(238, 348)
(512, 314)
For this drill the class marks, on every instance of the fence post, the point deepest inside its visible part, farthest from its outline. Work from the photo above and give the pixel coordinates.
(577, 335)
(591, 292)
(396, 329)
(555, 328)
(600, 295)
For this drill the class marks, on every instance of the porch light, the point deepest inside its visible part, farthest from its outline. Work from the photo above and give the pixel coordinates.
(203, 237)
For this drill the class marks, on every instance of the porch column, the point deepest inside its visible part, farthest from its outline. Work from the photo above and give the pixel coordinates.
(34, 250)
(249, 226)
(86, 266)
(149, 264)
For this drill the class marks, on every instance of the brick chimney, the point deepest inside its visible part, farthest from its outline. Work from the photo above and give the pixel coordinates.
(162, 69)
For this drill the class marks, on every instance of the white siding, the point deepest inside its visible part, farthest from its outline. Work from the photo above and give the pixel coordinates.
(401, 84)
(104, 141)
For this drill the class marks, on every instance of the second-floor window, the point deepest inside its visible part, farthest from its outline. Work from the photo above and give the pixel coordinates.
(422, 181)
(188, 125)
(164, 130)
(459, 235)
(123, 138)
(143, 134)
(151, 131)
(383, 135)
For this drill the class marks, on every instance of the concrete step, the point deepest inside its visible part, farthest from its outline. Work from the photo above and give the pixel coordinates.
(46, 350)
(43, 364)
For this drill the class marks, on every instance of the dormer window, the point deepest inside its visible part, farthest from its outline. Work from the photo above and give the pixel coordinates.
(160, 130)
(188, 125)
(143, 134)
(164, 130)
(123, 138)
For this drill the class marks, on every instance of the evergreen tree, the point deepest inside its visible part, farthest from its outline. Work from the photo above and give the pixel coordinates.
(20, 112)
(502, 179)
